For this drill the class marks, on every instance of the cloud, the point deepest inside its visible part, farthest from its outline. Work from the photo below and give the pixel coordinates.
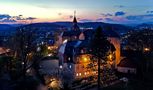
(149, 12)
(70, 16)
(8, 20)
(3, 16)
(99, 19)
(109, 19)
(44, 6)
(119, 13)
(59, 14)
(31, 18)
(140, 17)
(85, 20)
(134, 17)
(119, 6)
(19, 17)
(106, 15)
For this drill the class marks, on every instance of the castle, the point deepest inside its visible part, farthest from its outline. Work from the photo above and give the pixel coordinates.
(73, 56)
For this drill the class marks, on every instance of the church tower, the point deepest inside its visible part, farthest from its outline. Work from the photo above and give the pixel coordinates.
(75, 26)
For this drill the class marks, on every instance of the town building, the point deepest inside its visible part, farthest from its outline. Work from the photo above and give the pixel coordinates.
(127, 66)
(73, 55)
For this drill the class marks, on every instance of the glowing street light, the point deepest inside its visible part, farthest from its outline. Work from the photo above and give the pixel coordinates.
(49, 48)
(146, 49)
(110, 57)
(85, 59)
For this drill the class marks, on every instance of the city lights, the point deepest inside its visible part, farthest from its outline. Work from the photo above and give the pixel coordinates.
(76, 44)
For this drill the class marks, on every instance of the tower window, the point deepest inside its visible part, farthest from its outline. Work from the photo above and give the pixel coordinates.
(80, 74)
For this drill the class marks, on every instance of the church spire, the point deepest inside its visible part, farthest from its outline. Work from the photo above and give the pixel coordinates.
(75, 25)
(74, 19)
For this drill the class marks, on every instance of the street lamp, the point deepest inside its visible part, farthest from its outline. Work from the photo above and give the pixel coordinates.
(85, 59)
(110, 56)
(146, 49)
(49, 48)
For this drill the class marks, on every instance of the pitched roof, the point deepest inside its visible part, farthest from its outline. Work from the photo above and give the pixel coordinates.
(126, 63)
(71, 33)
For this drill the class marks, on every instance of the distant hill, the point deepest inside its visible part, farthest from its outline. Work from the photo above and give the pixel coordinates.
(145, 25)
(117, 27)
(5, 27)
(58, 25)
(6, 30)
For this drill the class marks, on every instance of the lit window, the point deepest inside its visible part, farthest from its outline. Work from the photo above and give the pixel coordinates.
(80, 74)
(42, 43)
(49, 47)
(70, 66)
(65, 41)
(50, 54)
(61, 66)
(85, 73)
(77, 74)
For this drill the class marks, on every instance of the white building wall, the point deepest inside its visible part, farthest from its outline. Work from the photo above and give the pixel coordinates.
(126, 70)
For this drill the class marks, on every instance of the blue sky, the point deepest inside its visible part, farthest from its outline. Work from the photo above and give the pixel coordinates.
(112, 11)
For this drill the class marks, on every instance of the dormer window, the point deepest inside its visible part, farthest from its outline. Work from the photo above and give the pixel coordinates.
(82, 51)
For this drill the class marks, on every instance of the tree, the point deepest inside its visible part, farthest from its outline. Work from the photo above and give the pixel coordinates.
(99, 47)
(5, 64)
(23, 46)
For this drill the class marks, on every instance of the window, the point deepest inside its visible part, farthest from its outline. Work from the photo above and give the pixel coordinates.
(85, 73)
(77, 74)
(61, 66)
(80, 74)
(69, 58)
(82, 51)
(70, 66)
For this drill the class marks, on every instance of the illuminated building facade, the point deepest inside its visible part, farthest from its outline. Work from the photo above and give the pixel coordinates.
(73, 56)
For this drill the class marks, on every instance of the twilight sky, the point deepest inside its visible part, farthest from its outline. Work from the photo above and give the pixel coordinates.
(111, 11)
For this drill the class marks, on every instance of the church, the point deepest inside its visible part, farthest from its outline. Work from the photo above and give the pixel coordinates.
(73, 56)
